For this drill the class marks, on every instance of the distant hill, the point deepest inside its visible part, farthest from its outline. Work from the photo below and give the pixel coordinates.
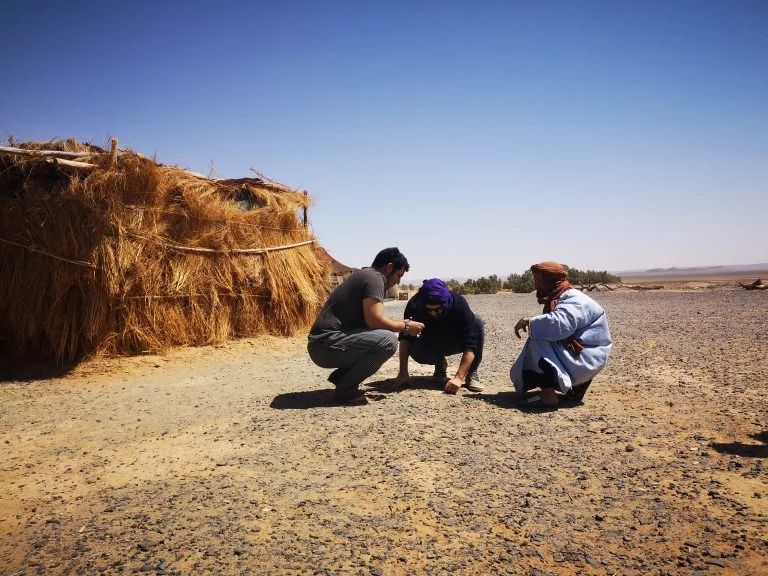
(721, 273)
(719, 270)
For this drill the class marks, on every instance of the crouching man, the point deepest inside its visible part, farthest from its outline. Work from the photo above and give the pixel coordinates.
(351, 332)
(568, 344)
(450, 327)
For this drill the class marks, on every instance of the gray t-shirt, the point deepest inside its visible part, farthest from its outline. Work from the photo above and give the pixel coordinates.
(344, 309)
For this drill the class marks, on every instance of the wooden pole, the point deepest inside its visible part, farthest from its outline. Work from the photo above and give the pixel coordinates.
(70, 163)
(113, 153)
(305, 209)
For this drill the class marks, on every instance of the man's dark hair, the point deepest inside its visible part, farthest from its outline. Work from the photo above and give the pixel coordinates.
(393, 255)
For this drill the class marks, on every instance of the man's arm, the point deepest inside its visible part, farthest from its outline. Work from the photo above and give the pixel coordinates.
(403, 377)
(404, 349)
(557, 325)
(522, 324)
(373, 312)
(453, 385)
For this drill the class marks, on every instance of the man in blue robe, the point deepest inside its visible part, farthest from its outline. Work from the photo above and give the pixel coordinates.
(568, 344)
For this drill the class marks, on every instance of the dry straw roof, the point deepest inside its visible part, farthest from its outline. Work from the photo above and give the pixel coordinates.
(110, 252)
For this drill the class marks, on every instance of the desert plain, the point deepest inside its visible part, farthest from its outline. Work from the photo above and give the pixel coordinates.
(232, 459)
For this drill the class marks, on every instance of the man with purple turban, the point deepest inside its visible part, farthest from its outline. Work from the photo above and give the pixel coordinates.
(450, 327)
(568, 343)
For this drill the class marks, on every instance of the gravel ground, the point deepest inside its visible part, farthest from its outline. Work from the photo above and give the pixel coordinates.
(232, 459)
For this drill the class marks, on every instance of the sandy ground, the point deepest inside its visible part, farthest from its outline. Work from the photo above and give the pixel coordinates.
(232, 460)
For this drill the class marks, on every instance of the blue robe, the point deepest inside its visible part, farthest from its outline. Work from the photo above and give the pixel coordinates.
(576, 314)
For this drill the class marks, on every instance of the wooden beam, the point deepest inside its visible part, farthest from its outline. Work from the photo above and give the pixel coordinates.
(70, 163)
(26, 152)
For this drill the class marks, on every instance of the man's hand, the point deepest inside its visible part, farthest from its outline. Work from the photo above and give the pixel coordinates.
(522, 324)
(402, 379)
(453, 385)
(415, 328)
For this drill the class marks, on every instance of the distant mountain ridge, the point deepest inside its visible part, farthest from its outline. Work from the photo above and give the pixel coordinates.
(699, 270)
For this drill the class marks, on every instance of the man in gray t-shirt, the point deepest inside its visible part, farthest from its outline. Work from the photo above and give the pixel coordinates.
(351, 332)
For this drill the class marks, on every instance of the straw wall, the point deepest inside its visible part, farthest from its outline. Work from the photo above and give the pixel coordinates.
(131, 257)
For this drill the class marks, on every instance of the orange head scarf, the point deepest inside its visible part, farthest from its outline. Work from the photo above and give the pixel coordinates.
(551, 281)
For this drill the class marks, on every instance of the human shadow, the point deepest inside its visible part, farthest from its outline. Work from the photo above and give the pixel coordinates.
(743, 449)
(304, 399)
(417, 383)
(526, 403)
(325, 398)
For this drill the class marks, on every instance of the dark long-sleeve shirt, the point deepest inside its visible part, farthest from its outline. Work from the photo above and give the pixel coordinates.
(455, 328)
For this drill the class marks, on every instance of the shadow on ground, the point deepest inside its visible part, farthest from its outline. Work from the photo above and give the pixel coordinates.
(304, 400)
(16, 369)
(527, 403)
(417, 383)
(319, 398)
(743, 449)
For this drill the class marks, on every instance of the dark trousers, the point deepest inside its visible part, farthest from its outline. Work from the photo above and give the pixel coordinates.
(426, 350)
(547, 378)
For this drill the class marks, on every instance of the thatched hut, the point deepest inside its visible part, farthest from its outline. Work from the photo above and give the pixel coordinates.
(108, 252)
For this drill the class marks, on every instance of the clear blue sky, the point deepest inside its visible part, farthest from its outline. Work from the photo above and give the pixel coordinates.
(479, 137)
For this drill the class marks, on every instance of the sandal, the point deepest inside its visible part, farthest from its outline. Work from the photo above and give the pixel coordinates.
(535, 404)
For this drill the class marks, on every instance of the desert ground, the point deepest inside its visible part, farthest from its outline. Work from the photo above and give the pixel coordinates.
(232, 459)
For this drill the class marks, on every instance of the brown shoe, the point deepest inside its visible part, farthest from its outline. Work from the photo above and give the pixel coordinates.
(360, 400)
(363, 399)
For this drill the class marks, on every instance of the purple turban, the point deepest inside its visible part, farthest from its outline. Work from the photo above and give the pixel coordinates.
(437, 292)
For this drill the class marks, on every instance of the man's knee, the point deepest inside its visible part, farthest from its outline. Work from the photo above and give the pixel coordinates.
(424, 354)
(421, 358)
(319, 356)
(388, 343)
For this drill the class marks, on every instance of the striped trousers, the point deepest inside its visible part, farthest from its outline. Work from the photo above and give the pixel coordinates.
(355, 355)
